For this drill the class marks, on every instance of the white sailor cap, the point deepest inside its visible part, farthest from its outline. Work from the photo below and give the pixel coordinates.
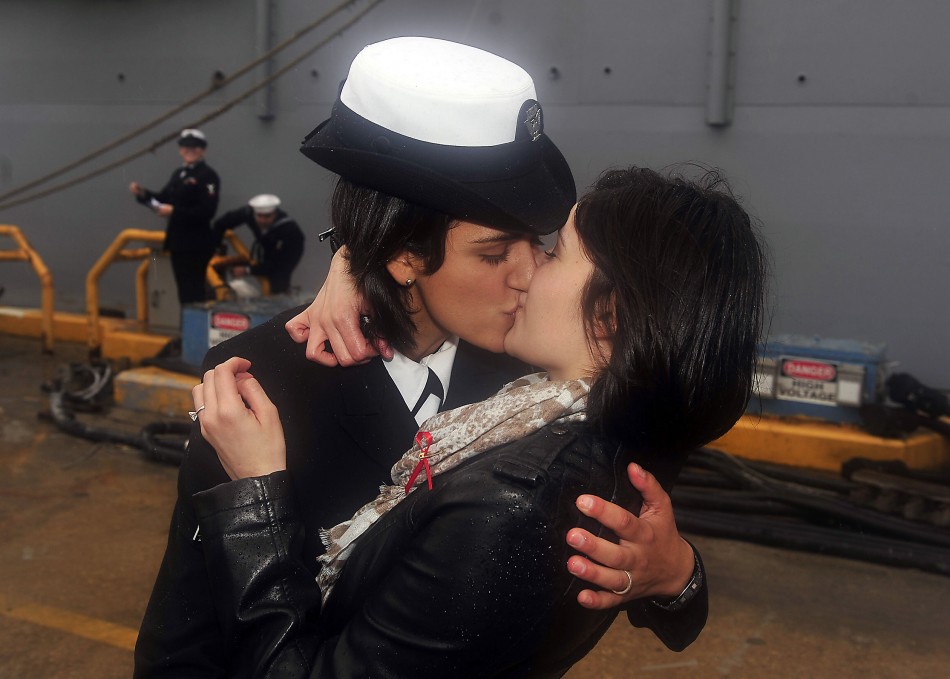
(448, 126)
(264, 203)
(192, 137)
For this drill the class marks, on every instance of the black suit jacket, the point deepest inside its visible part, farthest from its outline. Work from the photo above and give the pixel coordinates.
(345, 427)
(193, 191)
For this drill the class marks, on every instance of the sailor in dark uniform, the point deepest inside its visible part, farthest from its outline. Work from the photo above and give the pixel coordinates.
(278, 240)
(188, 201)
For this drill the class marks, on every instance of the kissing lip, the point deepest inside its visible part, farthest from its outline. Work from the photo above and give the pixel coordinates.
(520, 305)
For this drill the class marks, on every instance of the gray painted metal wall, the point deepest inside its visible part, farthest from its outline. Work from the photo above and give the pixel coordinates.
(838, 141)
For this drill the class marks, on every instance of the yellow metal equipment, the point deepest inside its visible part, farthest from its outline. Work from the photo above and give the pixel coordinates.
(117, 252)
(25, 253)
(110, 337)
(133, 340)
(242, 256)
(805, 442)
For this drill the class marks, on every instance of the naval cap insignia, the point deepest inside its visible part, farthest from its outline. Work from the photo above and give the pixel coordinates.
(533, 122)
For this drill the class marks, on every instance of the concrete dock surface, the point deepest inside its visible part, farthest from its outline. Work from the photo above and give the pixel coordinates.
(83, 528)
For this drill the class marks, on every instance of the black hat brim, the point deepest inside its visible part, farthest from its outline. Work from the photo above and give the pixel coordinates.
(522, 186)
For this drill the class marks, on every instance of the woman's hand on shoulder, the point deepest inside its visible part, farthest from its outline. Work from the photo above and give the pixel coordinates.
(659, 562)
(334, 317)
(240, 421)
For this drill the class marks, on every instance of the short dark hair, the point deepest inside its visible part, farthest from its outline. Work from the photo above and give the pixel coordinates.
(679, 282)
(375, 227)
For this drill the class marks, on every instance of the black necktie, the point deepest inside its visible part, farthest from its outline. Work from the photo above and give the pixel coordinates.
(433, 387)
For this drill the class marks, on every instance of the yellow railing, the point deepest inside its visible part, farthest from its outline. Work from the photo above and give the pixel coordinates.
(242, 256)
(117, 252)
(25, 253)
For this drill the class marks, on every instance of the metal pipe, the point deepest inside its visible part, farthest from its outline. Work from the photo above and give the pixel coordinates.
(141, 291)
(221, 289)
(239, 247)
(264, 42)
(26, 253)
(720, 89)
(242, 256)
(113, 253)
(117, 252)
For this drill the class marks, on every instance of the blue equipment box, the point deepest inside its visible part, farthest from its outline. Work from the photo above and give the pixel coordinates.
(829, 379)
(207, 324)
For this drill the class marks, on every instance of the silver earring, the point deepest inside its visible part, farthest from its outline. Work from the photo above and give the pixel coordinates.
(408, 282)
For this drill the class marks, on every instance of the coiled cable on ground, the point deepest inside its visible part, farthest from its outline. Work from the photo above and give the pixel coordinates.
(724, 496)
(86, 388)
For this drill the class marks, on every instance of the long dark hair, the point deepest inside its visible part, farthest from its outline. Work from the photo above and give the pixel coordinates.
(679, 283)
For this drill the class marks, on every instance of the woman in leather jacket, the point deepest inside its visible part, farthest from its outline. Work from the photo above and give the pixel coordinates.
(645, 318)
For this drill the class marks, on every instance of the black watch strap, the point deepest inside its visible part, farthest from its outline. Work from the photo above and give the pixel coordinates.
(692, 588)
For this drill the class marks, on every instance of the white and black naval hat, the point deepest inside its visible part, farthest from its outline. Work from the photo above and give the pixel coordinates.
(192, 138)
(264, 203)
(448, 126)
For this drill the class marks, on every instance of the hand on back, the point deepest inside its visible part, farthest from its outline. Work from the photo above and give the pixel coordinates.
(659, 561)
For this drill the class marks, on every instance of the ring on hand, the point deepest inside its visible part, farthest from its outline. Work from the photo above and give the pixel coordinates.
(193, 414)
(626, 589)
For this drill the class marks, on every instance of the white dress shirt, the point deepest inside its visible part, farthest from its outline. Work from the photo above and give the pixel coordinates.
(410, 377)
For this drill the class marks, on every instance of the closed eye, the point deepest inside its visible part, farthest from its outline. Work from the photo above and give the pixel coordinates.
(495, 260)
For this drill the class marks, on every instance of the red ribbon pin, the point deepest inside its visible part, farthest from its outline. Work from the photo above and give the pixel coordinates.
(423, 440)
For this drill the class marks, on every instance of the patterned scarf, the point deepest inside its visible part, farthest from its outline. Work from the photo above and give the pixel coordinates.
(519, 409)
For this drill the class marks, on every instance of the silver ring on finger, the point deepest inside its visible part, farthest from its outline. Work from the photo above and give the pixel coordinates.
(621, 592)
(193, 414)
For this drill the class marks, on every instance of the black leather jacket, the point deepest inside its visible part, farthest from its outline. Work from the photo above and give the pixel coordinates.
(466, 580)
(344, 429)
